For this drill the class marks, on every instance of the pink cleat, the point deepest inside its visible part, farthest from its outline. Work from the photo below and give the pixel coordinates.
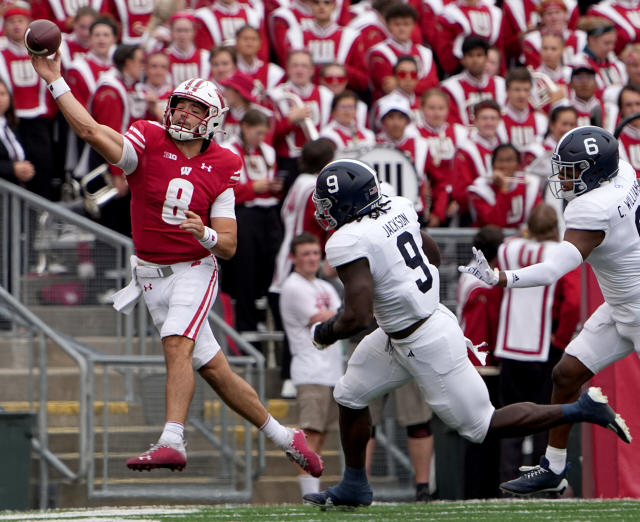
(160, 455)
(299, 452)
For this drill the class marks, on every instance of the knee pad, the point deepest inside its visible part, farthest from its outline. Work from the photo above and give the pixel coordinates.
(419, 431)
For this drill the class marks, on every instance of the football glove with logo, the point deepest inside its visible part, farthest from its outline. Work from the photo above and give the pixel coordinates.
(480, 268)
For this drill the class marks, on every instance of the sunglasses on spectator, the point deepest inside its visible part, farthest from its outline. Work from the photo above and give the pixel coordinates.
(407, 74)
(334, 80)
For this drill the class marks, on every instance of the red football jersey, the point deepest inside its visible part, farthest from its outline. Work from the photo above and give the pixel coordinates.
(165, 184)
(133, 15)
(523, 128)
(465, 91)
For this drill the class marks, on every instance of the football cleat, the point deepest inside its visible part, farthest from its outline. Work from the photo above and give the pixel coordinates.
(536, 479)
(595, 407)
(299, 453)
(160, 455)
(342, 496)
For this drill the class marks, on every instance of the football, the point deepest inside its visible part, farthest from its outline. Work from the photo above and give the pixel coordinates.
(42, 37)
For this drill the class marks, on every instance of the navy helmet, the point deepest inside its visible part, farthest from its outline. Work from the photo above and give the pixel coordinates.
(346, 189)
(584, 157)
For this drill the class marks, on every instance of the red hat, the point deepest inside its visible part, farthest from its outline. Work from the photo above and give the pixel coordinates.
(243, 83)
(18, 9)
(551, 4)
(186, 15)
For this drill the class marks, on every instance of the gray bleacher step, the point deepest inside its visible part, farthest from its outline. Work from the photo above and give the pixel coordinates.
(79, 320)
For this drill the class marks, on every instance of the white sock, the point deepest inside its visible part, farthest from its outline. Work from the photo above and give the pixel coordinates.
(308, 484)
(173, 433)
(279, 434)
(557, 459)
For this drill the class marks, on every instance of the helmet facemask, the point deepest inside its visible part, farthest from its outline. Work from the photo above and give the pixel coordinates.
(203, 93)
(565, 173)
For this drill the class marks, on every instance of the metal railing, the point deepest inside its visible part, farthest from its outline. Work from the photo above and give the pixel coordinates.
(36, 235)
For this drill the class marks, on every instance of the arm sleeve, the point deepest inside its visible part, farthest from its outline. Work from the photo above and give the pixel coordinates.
(564, 258)
(129, 160)
(224, 206)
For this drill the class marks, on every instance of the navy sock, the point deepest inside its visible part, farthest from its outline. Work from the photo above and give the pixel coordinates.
(354, 475)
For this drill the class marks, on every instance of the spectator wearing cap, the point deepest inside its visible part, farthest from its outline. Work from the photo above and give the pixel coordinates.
(405, 72)
(523, 125)
(583, 90)
(460, 19)
(241, 94)
(441, 140)
(333, 76)
(248, 44)
(33, 107)
(623, 14)
(328, 42)
(473, 84)
(186, 60)
(223, 64)
(76, 43)
(218, 22)
(554, 19)
(248, 275)
(394, 115)
(343, 129)
(599, 53)
(381, 58)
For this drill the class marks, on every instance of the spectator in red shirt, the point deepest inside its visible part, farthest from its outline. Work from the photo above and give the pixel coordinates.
(508, 198)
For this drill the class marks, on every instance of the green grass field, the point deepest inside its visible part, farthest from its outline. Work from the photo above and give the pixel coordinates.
(493, 510)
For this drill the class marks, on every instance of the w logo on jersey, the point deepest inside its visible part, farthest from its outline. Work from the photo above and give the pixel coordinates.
(185, 171)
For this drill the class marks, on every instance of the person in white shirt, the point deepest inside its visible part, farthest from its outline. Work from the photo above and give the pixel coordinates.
(306, 299)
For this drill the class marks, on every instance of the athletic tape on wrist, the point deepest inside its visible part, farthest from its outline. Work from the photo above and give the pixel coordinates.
(58, 87)
(210, 238)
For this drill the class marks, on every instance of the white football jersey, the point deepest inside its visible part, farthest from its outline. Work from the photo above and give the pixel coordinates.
(406, 285)
(613, 208)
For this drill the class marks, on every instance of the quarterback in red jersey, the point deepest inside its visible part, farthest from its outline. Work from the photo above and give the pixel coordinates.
(179, 179)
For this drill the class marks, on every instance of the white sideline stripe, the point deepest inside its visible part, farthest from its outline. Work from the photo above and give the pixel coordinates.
(101, 514)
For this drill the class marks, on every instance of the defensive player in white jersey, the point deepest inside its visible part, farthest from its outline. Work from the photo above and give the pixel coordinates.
(377, 252)
(602, 219)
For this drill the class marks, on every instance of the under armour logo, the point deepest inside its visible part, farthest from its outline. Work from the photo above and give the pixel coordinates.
(185, 171)
(515, 278)
(147, 287)
(206, 167)
(410, 354)
(144, 457)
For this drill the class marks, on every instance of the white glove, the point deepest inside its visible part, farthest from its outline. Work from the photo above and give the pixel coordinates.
(313, 337)
(480, 268)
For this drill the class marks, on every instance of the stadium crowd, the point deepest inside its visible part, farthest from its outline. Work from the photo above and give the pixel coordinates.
(474, 94)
